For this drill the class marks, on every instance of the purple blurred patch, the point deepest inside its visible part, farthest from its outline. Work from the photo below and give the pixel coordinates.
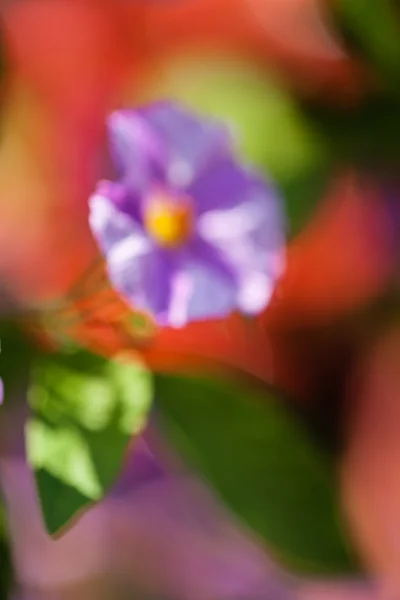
(142, 468)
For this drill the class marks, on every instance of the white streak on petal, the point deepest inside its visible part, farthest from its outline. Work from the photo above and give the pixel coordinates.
(182, 290)
(255, 293)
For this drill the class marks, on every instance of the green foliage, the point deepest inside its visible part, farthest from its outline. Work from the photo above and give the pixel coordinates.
(264, 466)
(374, 30)
(85, 411)
(16, 354)
(366, 136)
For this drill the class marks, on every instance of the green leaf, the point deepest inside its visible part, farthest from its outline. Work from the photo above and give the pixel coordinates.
(366, 135)
(376, 28)
(85, 411)
(16, 354)
(264, 466)
(271, 133)
(302, 194)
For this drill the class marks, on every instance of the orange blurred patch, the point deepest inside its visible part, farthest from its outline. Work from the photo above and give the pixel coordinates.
(370, 469)
(290, 35)
(46, 173)
(342, 260)
(72, 52)
(66, 61)
(97, 318)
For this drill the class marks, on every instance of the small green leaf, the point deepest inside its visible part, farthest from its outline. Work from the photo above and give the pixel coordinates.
(66, 501)
(264, 466)
(85, 411)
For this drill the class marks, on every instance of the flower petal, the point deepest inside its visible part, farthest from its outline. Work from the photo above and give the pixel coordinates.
(190, 143)
(241, 217)
(131, 256)
(154, 294)
(233, 256)
(227, 185)
(137, 152)
(123, 199)
(210, 285)
(112, 227)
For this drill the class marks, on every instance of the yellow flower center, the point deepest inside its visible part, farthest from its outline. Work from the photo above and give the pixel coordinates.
(168, 219)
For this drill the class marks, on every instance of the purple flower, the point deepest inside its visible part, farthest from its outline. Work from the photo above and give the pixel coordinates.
(187, 232)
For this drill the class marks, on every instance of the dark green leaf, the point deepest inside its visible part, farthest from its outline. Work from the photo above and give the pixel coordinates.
(66, 501)
(86, 410)
(375, 29)
(16, 353)
(302, 194)
(264, 466)
(367, 135)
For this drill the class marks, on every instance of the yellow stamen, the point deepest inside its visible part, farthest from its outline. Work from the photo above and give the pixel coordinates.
(169, 219)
